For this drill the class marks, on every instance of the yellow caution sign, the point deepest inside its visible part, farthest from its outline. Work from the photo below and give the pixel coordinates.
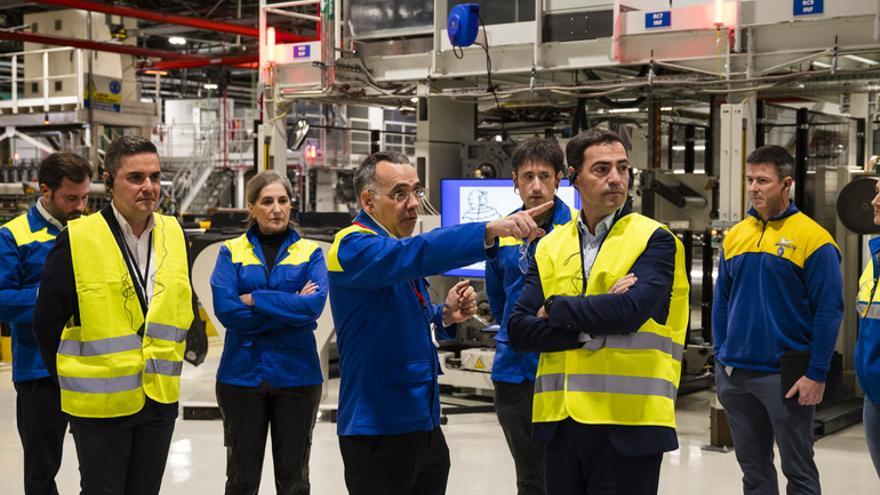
(479, 364)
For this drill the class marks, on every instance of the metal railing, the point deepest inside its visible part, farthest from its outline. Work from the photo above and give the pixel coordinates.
(215, 146)
(9, 85)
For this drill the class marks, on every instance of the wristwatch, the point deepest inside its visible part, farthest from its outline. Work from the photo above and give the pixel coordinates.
(548, 303)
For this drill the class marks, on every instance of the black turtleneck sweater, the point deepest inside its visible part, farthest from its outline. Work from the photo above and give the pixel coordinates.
(270, 244)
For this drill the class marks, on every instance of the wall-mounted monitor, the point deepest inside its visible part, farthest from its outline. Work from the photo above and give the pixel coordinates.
(482, 200)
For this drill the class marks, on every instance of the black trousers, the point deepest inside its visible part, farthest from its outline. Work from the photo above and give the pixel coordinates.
(581, 459)
(248, 413)
(123, 455)
(513, 405)
(41, 427)
(414, 463)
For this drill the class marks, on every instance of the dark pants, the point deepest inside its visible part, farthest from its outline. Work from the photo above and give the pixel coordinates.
(513, 405)
(758, 414)
(414, 463)
(248, 413)
(581, 459)
(41, 426)
(123, 455)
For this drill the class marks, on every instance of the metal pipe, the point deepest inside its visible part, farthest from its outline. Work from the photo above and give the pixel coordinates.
(203, 61)
(159, 17)
(295, 15)
(96, 45)
(800, 158)
(539, 34)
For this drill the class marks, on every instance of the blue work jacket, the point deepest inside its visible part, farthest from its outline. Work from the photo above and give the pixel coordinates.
(867, 352)
(272, 341)
(25, 241)
(504, 282)
(383, 316)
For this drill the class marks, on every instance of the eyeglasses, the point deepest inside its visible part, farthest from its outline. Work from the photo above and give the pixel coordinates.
(401, 196)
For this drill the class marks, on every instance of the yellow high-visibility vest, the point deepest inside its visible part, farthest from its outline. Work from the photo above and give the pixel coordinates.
(627, 379)
(105, 369)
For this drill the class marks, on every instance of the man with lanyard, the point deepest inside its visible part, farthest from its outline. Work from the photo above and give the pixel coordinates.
(779, 294)
(113, 312)
(606, 304)
(538, 165)
(64, 180)
(386, 327)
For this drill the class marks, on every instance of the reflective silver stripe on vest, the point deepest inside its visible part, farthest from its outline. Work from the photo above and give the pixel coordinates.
(550, 383)
(615, 384)
(100, 385)
(101, 346)
(166, 332)
(645, 340)
(873, 310)
(163, 367)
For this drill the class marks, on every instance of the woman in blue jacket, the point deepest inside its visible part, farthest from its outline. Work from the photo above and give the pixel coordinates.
(868, 344)
(269, 288)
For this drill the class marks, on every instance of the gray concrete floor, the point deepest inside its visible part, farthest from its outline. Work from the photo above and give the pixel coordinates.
(481, 463)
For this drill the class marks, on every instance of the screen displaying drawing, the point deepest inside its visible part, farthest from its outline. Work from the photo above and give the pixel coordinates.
(483, 200)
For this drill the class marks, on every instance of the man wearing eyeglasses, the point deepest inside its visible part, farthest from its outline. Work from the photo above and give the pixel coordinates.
(605, 302)
(538, 165)
(386, 327)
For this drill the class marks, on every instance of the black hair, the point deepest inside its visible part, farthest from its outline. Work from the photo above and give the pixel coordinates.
(578, 145)
(55, 167)
(123, 147)
(539, 150)
(776, 156)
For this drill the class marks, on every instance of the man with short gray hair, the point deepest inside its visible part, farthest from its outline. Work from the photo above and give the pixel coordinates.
(386, 327)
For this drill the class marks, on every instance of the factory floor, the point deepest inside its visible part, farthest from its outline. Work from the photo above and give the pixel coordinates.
(481, 463)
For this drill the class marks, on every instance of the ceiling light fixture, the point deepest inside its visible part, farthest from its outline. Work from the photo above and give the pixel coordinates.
(210, 86)
(177, 40)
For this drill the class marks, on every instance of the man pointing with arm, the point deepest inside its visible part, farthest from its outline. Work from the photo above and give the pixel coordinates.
(386, 327)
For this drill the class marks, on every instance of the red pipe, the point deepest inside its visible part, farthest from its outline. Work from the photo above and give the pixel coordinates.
(203, 61)
(98, 46)
(194, 22)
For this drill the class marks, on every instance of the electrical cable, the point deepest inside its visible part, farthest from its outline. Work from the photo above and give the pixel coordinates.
(492, 88)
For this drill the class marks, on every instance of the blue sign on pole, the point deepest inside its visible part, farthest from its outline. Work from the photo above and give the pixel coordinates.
(302, 51)
(658, 19)
(808, 7)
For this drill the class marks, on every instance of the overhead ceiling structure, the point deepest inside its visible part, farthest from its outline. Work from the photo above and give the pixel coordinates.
(216, 38)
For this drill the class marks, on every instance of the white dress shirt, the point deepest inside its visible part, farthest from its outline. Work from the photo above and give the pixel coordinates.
(48, 216)
(138, 247)
(590, 244)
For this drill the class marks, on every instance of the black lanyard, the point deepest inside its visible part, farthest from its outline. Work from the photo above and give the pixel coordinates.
(140, 280)
(141, 277)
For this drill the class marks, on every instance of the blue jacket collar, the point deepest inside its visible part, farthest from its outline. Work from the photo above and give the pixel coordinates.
(874, 246)
(791, 210)
(254, 239)
(364, 219)
(37, 222)
(561, 213)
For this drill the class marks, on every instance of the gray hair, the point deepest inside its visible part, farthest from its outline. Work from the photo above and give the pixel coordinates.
(259, 182)
(365, 174)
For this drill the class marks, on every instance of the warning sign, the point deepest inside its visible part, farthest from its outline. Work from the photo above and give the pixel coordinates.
(479, 364)
(105, 95)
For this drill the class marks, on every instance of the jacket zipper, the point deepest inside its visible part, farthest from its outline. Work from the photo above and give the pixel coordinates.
(763, 229)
